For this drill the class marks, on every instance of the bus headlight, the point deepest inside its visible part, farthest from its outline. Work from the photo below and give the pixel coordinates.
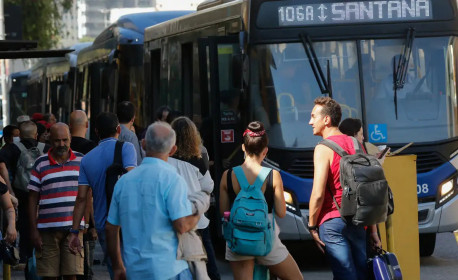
(291, 203)
(288, 198)
(446, 191)
(446, 188)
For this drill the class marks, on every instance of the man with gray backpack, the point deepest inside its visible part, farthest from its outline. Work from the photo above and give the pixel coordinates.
(340, 204)
(18, 160)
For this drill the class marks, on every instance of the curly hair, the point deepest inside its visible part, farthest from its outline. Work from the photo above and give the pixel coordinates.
(188, 139)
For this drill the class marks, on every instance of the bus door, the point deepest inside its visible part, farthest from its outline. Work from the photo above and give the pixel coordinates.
(221, 99)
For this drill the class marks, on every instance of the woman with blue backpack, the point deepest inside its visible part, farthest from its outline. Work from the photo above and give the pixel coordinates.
(250, 197)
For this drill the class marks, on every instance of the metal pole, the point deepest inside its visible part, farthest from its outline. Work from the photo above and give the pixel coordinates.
(4, 94)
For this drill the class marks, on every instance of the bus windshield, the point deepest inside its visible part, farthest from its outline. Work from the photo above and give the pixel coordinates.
(283, 88)
(425, 103)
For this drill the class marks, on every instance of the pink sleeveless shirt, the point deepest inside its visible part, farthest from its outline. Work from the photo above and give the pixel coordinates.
(329, 210)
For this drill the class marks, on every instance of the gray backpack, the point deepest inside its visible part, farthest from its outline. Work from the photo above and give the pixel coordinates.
(365, 190)
(25, 164)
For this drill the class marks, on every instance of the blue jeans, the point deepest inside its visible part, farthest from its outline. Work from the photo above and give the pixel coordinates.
(345, 249)
(184, 275)
(103, 243)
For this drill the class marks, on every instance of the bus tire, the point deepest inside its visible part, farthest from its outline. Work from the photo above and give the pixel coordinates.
(427, 244)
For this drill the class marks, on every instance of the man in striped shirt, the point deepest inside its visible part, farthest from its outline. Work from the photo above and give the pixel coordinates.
(53, 187)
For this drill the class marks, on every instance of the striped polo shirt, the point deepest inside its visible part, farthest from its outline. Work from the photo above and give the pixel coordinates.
(57, 185)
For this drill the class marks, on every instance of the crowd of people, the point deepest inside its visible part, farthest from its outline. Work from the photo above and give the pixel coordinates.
(145, 201)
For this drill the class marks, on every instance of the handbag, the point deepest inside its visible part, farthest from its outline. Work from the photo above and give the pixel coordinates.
(9, 253)
(384, 266)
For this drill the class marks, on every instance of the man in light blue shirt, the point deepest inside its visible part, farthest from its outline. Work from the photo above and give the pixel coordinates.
(150, 204)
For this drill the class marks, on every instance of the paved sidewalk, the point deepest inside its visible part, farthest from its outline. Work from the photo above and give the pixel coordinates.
(100, 271)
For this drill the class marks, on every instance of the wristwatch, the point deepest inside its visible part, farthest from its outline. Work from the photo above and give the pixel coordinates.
(75, 231)
(309, 227)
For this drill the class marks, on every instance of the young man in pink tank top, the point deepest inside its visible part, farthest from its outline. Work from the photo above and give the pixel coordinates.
(343, 242)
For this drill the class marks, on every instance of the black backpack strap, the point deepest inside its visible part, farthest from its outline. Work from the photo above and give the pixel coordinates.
(230, 188)
(334, 146)
(118, 153)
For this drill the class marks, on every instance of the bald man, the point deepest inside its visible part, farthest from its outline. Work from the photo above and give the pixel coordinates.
(53, 186)
(78, 129)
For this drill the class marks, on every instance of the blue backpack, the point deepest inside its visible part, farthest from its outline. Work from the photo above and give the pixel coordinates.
(249, 231)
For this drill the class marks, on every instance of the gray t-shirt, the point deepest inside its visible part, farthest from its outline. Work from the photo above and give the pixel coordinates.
(128, 136)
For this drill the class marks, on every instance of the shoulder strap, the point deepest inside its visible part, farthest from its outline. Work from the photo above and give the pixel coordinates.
(243, 182)
(20, 146)
(262, 176)
(334, 146)
(357, 146)
(118, 153)
(41, 147)
(259, 179)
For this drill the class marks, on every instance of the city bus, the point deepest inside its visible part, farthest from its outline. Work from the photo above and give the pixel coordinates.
(392, 64)
(110, 70)
(51, 83)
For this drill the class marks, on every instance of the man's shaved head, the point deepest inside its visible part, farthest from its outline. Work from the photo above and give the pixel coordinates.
(78, 118)
(28, 129)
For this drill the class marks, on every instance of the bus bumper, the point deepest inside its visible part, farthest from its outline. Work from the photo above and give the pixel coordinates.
(442, 219)
(293, 227)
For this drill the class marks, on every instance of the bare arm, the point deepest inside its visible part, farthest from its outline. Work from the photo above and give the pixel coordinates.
(33, 203)
(322, 162)
(7, 207)
(279, 197)
(5, 175)
(185, 224)
(129, 168)
(114, 250)
(224, 204)
(78, 212)
(80, 206)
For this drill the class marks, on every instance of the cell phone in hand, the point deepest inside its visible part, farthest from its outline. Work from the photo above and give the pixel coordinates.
(383, 152)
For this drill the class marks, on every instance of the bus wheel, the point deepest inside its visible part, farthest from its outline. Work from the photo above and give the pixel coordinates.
(427, 244)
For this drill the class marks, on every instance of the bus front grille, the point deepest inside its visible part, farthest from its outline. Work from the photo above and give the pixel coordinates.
(302, 167)
(427, 161)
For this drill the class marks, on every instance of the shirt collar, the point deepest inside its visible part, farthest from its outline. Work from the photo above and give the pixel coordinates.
(107, 140)
(152, 160)
(54, 162)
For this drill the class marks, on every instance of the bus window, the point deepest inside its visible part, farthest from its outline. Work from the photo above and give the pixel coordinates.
(282, 82)
(423, 113)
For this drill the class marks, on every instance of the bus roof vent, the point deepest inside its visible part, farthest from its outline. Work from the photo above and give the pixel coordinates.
(211, 3)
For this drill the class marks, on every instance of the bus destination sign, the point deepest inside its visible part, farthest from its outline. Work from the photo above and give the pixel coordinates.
(355, 12)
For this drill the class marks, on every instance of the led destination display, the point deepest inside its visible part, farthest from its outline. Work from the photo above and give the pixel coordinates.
(355, 12)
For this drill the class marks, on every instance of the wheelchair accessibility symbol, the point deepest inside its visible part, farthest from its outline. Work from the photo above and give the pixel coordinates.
(377, 133)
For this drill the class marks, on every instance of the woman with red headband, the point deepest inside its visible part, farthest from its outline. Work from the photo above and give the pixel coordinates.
(279, 261)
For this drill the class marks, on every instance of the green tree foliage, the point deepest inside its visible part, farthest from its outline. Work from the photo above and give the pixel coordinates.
(42, 20)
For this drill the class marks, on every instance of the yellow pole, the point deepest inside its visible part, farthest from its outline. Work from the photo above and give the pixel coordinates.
(6, 272)
(402, 225)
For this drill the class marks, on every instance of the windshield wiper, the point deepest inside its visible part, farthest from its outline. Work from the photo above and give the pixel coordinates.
(323, 83)
(400, 70)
